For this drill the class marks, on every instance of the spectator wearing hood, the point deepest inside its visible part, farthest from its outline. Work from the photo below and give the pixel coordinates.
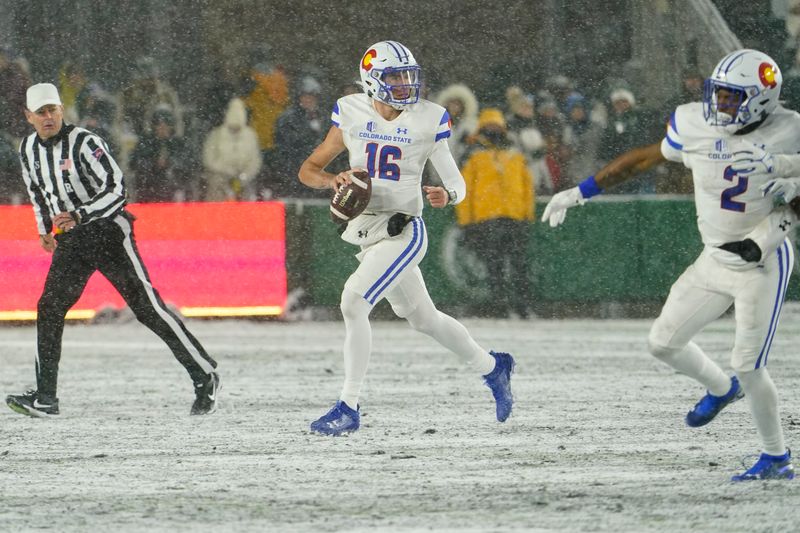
(298, 131)
(147, 93)
(497, 212)
(71, 83)
(627, 126)
(160, 162)
(14, 81)
(231, 157)
(462, 106)
(266, 102)
(584, 138)
(524, 133)
(552, 124)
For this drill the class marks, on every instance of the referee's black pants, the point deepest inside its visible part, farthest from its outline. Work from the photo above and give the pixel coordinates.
(107, 245)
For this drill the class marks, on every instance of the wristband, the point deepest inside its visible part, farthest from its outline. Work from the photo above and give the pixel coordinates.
(589, 187)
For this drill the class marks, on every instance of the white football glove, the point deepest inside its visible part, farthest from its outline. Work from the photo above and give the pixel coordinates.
(786, 188)
(753, 161)
(556, 210)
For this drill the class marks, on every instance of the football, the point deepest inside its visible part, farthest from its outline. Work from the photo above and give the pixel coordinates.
(350, 200)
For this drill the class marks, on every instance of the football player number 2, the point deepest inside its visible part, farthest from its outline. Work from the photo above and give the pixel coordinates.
(739, 186)
(386, 169)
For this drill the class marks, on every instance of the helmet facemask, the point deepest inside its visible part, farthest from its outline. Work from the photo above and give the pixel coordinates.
(399, 86)
(731, 112)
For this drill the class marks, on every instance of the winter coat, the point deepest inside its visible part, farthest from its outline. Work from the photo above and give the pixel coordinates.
(499, 185)
(297, 133)
(464, 126)
(267, 101)
(231, 156)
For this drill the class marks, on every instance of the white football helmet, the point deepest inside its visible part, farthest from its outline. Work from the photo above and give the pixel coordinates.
(754, 78)
(390, 74)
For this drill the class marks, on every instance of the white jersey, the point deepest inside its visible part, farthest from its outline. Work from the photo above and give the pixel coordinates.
(393, 152)
(729, 206)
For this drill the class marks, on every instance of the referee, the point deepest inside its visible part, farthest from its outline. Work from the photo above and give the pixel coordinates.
(78, 197)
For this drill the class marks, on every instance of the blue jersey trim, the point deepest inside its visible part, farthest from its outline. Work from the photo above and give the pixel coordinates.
(395, 268)
(784, 272)
(442, 135)
(675, 145)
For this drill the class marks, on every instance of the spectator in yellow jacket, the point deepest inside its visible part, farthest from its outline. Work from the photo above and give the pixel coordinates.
(497, 213)
(266, 102)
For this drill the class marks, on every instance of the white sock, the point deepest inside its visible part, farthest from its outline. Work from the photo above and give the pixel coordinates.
(762, 397)
(357, 346)
(451, 334)
(693, 362)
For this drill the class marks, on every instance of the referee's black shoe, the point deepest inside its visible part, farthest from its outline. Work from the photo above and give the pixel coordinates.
(205, 393)
(32, 404)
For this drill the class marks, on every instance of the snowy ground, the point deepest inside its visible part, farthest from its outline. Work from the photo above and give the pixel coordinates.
(596, 441)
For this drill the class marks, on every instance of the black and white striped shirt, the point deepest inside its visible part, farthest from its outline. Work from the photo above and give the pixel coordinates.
(71, 171)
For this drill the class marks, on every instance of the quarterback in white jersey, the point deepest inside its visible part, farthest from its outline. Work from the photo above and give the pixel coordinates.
(730, 142)
(390, 132)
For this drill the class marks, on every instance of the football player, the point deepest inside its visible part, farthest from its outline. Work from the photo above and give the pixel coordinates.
(726, 141)
(391, 132)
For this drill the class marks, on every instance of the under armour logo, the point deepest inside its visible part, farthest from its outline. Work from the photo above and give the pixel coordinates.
(403, 131)
(362, 234)
(784, 224)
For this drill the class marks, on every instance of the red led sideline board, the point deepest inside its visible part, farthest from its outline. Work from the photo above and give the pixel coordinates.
(208, 259)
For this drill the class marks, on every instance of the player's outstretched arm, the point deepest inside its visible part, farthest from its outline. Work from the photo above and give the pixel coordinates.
(312, 172)
(618, 171)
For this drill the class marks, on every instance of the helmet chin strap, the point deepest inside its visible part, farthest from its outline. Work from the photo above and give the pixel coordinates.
(752, 126)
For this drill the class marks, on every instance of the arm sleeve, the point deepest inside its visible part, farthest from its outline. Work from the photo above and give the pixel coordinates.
(787, 166)
(672, 145)
(44, 224)
(98, 163)
(336, 116)
(447, 169)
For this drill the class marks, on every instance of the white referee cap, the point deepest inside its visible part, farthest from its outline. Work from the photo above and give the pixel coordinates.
(42, 94)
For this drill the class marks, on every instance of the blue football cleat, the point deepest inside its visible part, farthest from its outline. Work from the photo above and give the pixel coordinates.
(709, 405)
(769, 467)
(499, 381)
(340, 420)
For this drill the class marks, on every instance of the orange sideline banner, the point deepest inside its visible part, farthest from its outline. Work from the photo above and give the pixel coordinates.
(208, 259)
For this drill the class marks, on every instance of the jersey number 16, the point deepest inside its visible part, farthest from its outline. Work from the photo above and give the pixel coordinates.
(384, 157)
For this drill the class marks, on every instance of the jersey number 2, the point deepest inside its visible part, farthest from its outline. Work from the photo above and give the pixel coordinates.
(386, 169)
(727, 200)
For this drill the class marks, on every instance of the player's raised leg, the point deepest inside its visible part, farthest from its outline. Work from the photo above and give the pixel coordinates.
(126, 271)
(410, 300)
(691, 306)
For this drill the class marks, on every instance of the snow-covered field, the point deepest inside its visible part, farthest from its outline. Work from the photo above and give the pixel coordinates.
(596, 441)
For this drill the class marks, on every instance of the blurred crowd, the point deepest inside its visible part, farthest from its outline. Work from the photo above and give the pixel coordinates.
(246, 137)
(245, 134)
